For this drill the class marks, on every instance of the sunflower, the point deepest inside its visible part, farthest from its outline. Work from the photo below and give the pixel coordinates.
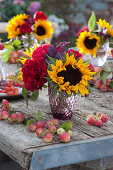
(71, 76)
(20, 75)
(13, 28)
(106, 25)
(43, 29)
(88, 43)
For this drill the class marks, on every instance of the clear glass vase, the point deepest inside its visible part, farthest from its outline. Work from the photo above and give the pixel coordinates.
(101, 55)
(62, 107)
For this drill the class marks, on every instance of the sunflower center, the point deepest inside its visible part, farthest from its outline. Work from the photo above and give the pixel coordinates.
(90, 43)
(40, 30)
(71, 75)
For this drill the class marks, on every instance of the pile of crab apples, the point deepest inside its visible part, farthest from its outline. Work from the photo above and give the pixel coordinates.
(49, 130)
(6, 115)
(97, 120)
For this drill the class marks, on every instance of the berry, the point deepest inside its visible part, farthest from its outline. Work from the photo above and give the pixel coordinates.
(60, 131)
(52, 128)
(98, 122)
(55, 121)
(47, 137)
(49, 122)
(104, 118)
(98, 83)
(32, 127)
(91, 120)
(14, 116)
(40, 124)
(103, 88)
(1, 46)
(39, 132)
(5, 115)
(65, 137)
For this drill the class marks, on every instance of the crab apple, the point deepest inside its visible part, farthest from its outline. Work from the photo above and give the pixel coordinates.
(108, 82)
(14, 54)
(1, 46)
(103, 88)
(40, 124)
(4, 109)
(98, 83)
(19, 52)
(99, 115)
(104, 118)
(70, 132)
(21, 118)
(52, 128)
(10, 105)
(60, 131)
(12, 60)
(49, 122)
(0, 115)
(5, 102)
(47, 137)
(91, 120)
(65, 137)
(10, 121)
(55, 121)
(39, 132)
(32, 127)
(98, 122)
(98, 69)
(14, 117)
(94, 80)
(5, 115)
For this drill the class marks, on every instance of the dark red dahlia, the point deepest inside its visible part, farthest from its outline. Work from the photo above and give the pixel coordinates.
(82, 30)
(34, 72)
(25, 28)
(40, 15)
(40, 51)
(91, 68)
(76, 54)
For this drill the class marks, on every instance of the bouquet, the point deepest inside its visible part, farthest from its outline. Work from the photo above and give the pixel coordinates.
(91, 38)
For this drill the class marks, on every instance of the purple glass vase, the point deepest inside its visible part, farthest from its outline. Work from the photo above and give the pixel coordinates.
(62, 107)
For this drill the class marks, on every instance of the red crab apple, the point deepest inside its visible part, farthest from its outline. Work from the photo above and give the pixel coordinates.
(98, 122)
(21, 117)
(40, 124)
(99, 115)
(5, 103)
(108, 82)
(0, 115)
(98, 69)
(10, 121)
(32, 127)
(47, 137)
(55, 121)
(65, 137)
(52, 128)
(103, 88)
(49, 122)
(5, 115)
(4, 109)
(91, 120)
(1, 46)
(98, 83)
(39, 132)
(14, 116)
(60, 131)
(104, 118)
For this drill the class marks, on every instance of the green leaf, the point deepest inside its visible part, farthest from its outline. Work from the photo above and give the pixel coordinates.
(92, 22)
(16, 43)
(111, 84)
(29, 122)
(13, 78)
(67, 126)
(10, 111)
(42, 135)
(39, 115)
(55, 89)
(104, 77)
(45, 86)
(86, 62)
(5, 56)
(107, 68)
(35, 95)
(48, 79)
(88, 87)
(9, 47)
(25, 93)
(52, 60)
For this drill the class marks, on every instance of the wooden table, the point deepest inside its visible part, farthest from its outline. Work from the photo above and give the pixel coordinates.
(87, 143)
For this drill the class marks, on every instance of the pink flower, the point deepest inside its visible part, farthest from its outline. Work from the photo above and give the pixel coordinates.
(82, 30)
(34, 7)
(18, 2)
(91, 68)
(76, 54)
(40, 15)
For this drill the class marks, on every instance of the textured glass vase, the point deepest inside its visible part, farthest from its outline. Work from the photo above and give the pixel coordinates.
(61, 107)
(101, 55)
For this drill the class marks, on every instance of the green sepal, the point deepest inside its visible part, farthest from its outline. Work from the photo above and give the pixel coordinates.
(35, 95)
(25, 93)
(111, 84)
(29, 122)
(92, 22)
(52, 60)
(67, 126)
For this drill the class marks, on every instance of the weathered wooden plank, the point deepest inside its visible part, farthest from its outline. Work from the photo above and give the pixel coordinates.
(72, 153)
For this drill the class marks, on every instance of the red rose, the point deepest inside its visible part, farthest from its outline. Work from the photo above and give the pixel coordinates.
(34, 72)
(40, 51)
(91, 68)
(76, 54)
(82, 30)
(40, 15)
(25, 28)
